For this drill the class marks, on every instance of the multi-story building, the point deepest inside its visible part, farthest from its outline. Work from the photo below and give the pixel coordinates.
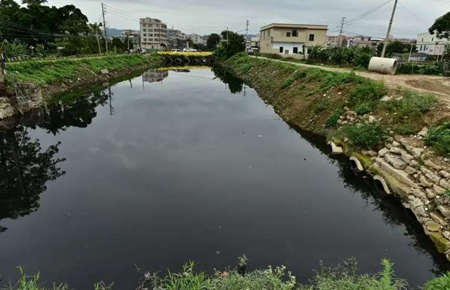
(198, 39)
(363, 41)
(430, 44)
(337, 41)
(132, 36)
(176, 39)
(294, 40)
(153, 34)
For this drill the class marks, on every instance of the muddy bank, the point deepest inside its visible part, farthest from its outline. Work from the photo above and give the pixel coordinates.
(318, 102)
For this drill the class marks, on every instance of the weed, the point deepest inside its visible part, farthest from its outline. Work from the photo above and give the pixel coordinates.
(287, 83)
(367, 91)
(412, 105)
(364, 108)
(364, 135)
(320, 106)
(333, 118)
(439, 138)
(438, 283)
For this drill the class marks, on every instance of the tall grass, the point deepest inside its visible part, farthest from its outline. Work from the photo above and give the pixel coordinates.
(49, 71)
(438, 137)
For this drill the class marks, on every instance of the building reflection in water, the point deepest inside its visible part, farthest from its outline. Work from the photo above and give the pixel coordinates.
(154, 76)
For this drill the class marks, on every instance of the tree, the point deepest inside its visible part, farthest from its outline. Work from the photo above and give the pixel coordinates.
(213, 41)
(24, 170)
(233, 43)
(441, 26)
(395, 47)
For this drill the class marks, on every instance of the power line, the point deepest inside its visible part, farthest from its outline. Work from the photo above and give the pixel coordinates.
(368, 12)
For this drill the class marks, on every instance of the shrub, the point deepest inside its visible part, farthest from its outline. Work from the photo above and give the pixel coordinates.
(439, 138)
(411, 105)
(439, 283)
(367, 91)
(333, 118)
(364, 108)
(364, 136)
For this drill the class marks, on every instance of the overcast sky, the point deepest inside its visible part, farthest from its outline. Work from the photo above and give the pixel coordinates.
(368, 17)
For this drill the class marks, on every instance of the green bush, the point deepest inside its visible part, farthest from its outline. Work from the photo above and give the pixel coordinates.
(364, 135)
(411, 105)
(333, 118)
(436, 68)
(439, 283)
(367, 92)
(364, 108)
(438, 137)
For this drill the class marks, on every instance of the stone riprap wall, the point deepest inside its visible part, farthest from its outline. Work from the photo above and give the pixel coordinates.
(407, 168)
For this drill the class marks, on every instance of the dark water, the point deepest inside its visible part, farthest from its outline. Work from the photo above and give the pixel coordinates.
(167, 168)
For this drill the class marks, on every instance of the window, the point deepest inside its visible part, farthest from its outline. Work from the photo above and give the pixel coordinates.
(281, 49)
(295, 50)
(311, 37)
(288, 34)
(294, 33)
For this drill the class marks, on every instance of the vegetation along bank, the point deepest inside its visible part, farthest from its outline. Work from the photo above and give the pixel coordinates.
(400, 137)
(29, 83)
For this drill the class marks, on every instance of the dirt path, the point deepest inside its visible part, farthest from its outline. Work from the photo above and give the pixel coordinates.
(437, 85)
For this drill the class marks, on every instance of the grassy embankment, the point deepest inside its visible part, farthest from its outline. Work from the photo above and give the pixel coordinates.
(46, 72)
(315, 99)
(339, 278)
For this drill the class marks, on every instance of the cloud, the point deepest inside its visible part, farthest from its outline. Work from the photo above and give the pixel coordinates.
(207, 16)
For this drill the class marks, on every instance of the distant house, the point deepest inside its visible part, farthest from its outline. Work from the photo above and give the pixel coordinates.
(337, 40)
(364, 41)
(294, 40)
(430, 44)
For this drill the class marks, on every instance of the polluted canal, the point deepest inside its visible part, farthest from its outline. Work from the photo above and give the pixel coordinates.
(173, 166)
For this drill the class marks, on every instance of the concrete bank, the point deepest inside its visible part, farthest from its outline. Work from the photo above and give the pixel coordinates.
(320, 102)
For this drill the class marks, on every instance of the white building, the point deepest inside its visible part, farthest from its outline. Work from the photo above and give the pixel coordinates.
(430, 44)
(153, 34)
(197, 39)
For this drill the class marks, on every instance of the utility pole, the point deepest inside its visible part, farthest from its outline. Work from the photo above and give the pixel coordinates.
(383, 54)
(104, 28)
(227, 37)
(341, 31)
(246, 35)
(98, 43)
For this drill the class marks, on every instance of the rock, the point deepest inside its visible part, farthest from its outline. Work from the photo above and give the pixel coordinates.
(6, 109)
(407, 157)
(423, 132)
(425, 182)
(430, 164)
(104, 71)
(419, 211)
(430, 174)
(446, 235)
(396, 144)
(430, 193)
(383, 152)
(444, 183)
(372, 119)
(335, 149)
(414, 163)
(370, 153)
(444, 174)
(432, 226)
(386, 99)
(396, 150)
(438, 218)
(400, 175)
(418, 193)
(444, 210)
(410, 170)
(438, 189)
(395, 161)
(414, 202)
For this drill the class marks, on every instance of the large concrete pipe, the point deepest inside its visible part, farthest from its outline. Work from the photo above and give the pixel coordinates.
(383, 65)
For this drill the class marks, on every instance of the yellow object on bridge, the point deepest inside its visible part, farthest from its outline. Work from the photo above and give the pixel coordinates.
(186, 53)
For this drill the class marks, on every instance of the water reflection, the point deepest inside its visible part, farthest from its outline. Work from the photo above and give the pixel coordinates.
(24, 171)
(390, 207)
(235, 85)
(153, 76)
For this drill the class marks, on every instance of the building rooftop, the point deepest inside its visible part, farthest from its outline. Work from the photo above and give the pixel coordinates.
(292, 25)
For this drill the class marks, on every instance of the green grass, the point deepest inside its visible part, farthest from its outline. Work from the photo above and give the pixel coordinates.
(333, 119)
(50, 71)
(364, 136)
(367, 92)
(438, 137)
(439, 283)
(411, 105)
